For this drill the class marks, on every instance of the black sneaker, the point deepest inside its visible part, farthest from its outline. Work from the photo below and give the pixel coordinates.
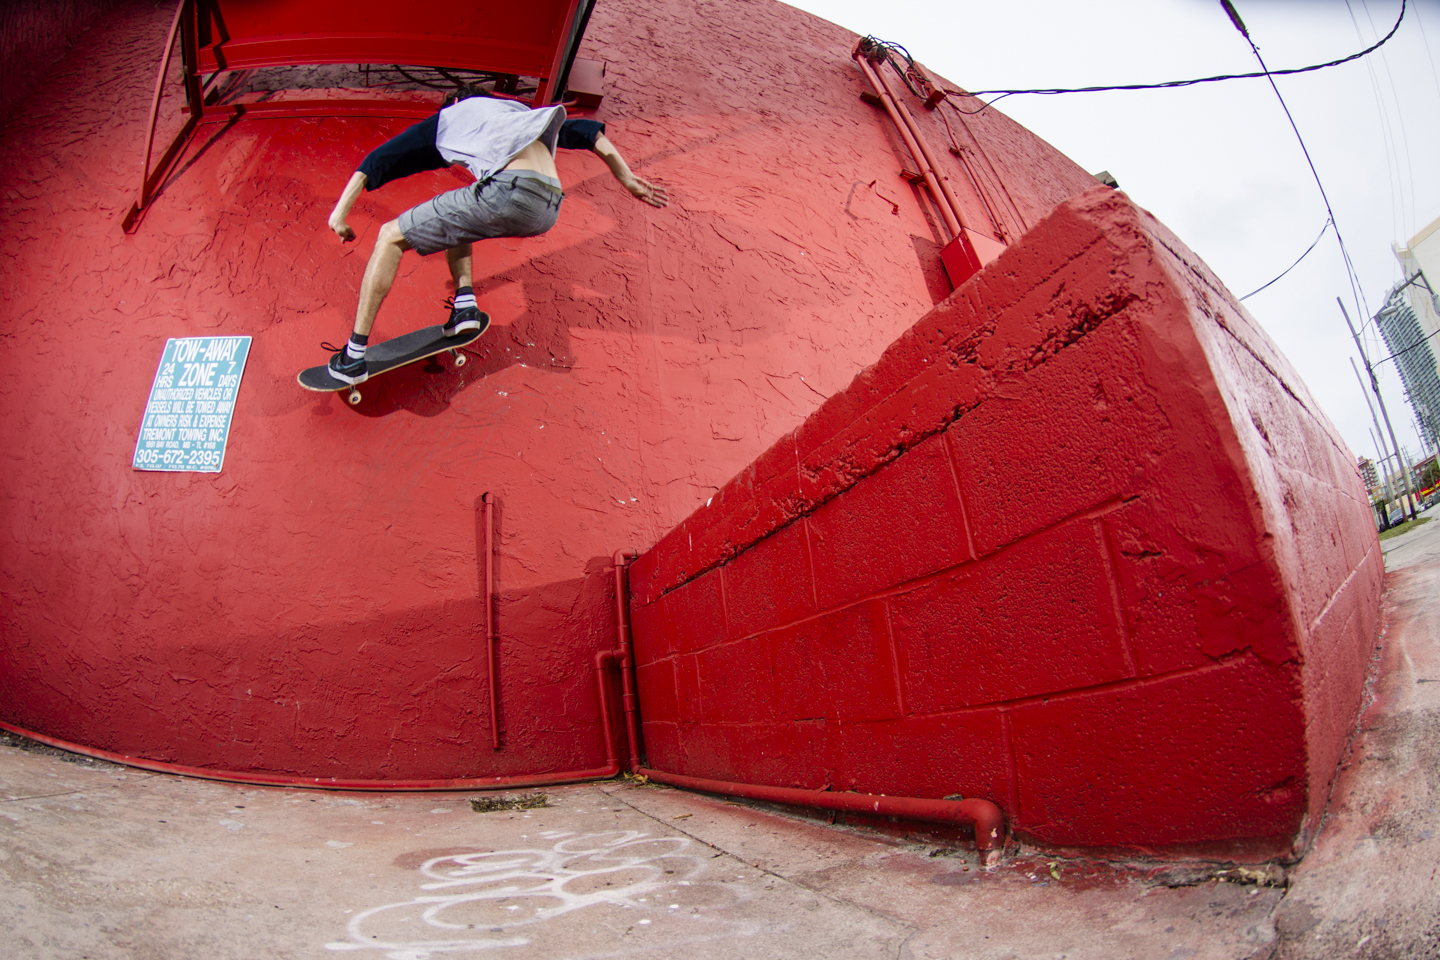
(348, 370)
(471, 318)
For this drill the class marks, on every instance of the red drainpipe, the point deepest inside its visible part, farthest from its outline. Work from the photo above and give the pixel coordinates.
(627, 659)
(332, 783)
(960, 259)
(489, 502)
(984, 816)
(949, 209)
(603, 659)
(926, 157)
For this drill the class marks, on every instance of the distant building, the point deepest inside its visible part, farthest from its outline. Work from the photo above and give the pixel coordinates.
(1420, 261)
(1425, 470)
(1413, 347)
(1368, 474)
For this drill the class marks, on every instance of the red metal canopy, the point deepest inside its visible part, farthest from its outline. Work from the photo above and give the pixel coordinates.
(537, 38)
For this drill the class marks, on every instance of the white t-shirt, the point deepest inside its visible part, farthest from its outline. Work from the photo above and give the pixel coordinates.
(485, 134)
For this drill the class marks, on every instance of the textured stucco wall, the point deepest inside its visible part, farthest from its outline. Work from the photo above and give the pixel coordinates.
(34, 35)
(315, 609)
(1080, 543)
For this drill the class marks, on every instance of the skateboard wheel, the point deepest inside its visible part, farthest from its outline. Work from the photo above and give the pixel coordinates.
(459, 358)
(354, 397)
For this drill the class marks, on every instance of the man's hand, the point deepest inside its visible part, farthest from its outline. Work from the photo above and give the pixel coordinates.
(341, 212)
(651, 193)
(341, 228)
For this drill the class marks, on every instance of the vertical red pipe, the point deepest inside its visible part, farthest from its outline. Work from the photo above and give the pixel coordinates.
(490, 619)
(947, 213)
(627, 661)
(926, 157)
(607, 724)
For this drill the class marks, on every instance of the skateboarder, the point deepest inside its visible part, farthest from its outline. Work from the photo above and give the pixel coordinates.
(510, 149)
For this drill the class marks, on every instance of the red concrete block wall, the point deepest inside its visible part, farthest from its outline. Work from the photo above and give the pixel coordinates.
(317, 609)
(1079, 543)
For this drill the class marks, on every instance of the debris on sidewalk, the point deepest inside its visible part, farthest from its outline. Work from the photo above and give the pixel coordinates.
(526, 801)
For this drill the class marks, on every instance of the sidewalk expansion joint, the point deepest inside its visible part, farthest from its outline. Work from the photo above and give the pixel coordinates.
(789, 881)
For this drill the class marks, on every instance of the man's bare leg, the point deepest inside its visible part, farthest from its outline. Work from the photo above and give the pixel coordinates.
(459, 260)
(380, 274)
(348, 365)
(464, 314)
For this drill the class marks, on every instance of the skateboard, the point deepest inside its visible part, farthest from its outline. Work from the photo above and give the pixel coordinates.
(389, 354)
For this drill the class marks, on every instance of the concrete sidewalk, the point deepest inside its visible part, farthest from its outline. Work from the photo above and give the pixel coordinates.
(99, 861)
(1417, 546)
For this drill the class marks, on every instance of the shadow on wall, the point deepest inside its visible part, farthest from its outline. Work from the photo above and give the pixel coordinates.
(34, 35)
(427, 388)
(572, 279)
(314, 700)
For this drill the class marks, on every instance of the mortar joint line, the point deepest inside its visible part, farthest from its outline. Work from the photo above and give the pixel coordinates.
(1112, 574)
(915, 583)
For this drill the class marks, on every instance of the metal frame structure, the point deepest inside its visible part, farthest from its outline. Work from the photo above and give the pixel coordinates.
(535, 39)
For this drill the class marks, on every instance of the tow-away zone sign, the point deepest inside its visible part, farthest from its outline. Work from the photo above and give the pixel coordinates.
(187, 419)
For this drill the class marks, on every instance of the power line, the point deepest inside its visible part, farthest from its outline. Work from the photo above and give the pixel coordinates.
(1387, 139)
(1344, 254)
(910, 72)
(1328, 224)
(1412, 346)
(1169, 84)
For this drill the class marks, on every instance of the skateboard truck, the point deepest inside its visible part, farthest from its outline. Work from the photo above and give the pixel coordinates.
(354, 396)
(390, 354)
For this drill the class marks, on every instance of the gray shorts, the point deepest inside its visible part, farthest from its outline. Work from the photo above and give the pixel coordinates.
(512, 203)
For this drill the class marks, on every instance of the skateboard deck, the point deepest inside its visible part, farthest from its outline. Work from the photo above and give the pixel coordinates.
(397, 352)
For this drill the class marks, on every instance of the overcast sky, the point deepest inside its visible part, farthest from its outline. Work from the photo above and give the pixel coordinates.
(1218, 163)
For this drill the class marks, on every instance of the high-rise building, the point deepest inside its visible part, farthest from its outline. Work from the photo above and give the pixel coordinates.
(1411, 346)
(1410, 322)
(1420, 261)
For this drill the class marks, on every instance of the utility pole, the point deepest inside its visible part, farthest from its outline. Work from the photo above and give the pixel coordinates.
(1375, 385)
(1376, 437)
(1380, 463)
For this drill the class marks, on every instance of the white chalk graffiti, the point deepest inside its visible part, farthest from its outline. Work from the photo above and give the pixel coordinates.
(484, 900)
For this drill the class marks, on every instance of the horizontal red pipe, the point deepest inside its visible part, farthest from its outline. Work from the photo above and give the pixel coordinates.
(983, 815)
(611, 768)
(320, 783)
(612, 763)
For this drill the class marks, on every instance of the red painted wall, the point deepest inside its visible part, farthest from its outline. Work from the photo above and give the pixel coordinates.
(34, 34)
(316, 608)
(1080, 543)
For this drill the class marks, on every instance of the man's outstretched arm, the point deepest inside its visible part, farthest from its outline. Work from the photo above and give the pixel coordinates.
(651, 193)
(338, 216)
